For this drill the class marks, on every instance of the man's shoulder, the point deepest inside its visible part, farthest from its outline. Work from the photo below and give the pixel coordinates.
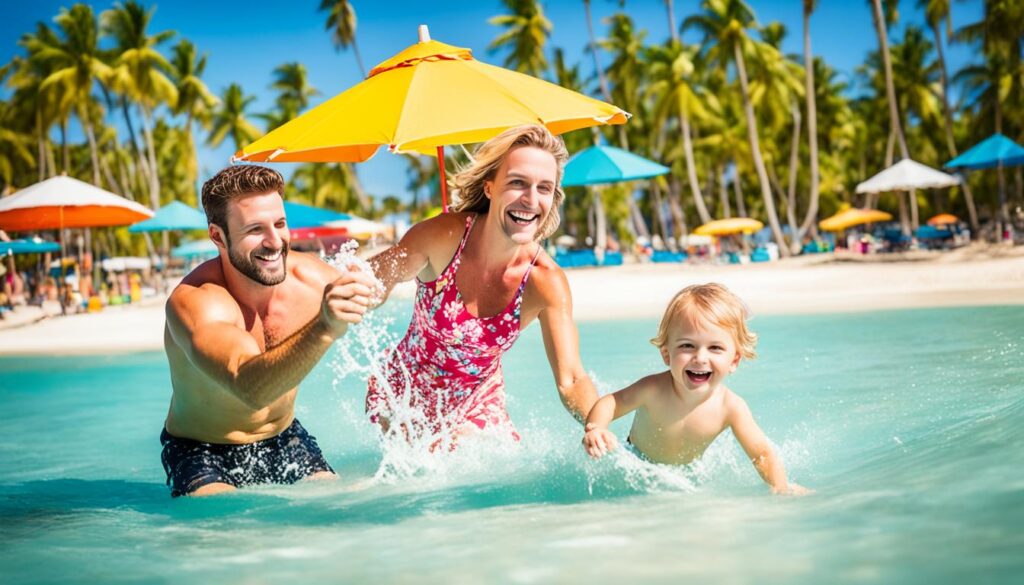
(202, 293)
(310, 270)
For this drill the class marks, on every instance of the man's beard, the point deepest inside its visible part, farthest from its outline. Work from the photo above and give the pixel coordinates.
(248, 267)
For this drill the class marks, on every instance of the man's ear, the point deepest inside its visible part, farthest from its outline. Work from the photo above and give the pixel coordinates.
(217, 235)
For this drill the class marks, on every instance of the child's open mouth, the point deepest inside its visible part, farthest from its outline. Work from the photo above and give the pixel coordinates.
(698, 376)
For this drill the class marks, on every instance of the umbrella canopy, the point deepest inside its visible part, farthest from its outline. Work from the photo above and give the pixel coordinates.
(989, 153)
(607, 164)
(429, 95)
(725, 227)
(64, 202)
(944, 219)
(360, 228)
(28, 246)
(850, 217)
(301, 215)
(173, 216)
(194, 249)
(906, 175)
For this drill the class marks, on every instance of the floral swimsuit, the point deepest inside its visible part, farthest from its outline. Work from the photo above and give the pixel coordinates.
(448, 365)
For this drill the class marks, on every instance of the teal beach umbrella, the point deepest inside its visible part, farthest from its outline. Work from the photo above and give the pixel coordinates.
(304, 216)
(195, 249)
(992, 152)
(173, 216)
(607, 164)
(28, 246)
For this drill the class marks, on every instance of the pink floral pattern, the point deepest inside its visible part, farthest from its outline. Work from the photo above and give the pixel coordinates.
(449, 359)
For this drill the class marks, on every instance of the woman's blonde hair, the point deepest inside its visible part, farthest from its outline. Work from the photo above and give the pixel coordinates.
(469, 182)
(710, 303)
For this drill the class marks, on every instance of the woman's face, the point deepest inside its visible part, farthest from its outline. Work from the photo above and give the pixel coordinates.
(522, 192)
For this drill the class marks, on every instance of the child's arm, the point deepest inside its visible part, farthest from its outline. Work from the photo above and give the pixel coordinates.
(597, 439)
(757, 447)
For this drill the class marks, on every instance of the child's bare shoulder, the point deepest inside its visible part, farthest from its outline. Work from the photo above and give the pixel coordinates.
(734, 405)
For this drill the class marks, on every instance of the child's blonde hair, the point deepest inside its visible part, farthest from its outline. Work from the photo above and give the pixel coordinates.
(710, 303)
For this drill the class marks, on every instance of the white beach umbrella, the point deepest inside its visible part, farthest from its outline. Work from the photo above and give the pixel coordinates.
(905, 176)
(64, 202)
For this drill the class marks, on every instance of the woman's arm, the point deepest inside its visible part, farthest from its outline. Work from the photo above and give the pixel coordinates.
(598, 440)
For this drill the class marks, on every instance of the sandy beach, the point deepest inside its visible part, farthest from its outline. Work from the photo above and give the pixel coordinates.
(818, 284)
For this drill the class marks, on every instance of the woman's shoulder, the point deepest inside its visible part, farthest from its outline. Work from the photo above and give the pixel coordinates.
(446, 225)
(547, 278)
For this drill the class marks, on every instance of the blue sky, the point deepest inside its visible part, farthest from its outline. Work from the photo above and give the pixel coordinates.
(245, 41)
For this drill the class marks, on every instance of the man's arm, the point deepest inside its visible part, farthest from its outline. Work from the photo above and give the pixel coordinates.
(561, 343)
(206, 332)
(755, 444)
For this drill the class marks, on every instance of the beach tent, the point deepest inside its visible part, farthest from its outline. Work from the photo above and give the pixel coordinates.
(426, 97)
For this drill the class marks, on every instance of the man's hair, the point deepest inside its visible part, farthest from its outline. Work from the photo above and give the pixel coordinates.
(233, 182)
(710, 303)
(469, 183)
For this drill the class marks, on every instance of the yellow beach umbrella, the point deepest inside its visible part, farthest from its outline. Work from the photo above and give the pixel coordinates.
(850, 217)
(428, 96)
(725, 227)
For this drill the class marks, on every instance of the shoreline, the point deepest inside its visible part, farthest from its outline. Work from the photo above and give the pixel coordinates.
(814, 285)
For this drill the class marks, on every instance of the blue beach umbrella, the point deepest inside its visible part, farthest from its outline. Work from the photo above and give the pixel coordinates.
(607, 164)
(306, 216)
(195, 249)
(990, 153)
(173, 216)
(28, 246)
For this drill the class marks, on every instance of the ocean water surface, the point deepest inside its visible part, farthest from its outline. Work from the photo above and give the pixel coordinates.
(908, 424)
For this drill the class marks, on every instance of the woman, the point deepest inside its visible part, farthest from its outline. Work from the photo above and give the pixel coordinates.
(482, 276)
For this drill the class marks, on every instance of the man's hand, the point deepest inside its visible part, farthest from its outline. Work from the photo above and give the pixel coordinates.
(346, 300)
(598, 441)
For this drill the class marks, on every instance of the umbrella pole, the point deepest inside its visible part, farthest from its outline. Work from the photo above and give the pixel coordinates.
(60, 265)
(444, 181)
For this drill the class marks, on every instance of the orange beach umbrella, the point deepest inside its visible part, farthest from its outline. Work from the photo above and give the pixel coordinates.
(850, 217)
(944, 219)
(64, 202)
(425, 97)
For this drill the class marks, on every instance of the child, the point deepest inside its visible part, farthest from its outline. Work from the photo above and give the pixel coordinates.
(702, 337)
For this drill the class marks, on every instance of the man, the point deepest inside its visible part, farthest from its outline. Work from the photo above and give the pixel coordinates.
(242, 331)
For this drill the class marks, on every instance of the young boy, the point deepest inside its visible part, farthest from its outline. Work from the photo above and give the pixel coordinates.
(679, 412)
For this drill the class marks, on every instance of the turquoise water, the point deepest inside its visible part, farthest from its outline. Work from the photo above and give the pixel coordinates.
(909, 424)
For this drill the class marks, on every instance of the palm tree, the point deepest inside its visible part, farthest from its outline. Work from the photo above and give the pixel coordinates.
(75, 63)
(195, 100)
(936, 13)
(671, 14)
(292, 83)
(676, 91)
(592, 45)
(141, 73)
(810, 220)
(724, 24)
(229, 119)
(890, 88)
(30, 101)
(341, 21)
(527, 30)
(14, 146)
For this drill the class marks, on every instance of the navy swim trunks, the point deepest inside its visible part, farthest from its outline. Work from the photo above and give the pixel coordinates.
(287, 458)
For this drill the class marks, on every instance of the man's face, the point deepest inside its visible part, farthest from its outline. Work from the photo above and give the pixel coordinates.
(257, 237)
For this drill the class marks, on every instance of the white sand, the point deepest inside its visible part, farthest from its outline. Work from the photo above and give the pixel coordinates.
(974, 276)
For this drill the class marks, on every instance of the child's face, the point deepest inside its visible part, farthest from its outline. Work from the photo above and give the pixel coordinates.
(699, 357)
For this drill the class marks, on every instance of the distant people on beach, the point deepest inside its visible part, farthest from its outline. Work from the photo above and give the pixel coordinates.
(702, 338)
(242, 331)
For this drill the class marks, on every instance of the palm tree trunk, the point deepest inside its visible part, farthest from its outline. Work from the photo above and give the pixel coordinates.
(755, 150)
(602, 82)
(638, 223)
(691, 170)
(64, 146)
(890, 88)
(672, 28)
(93, 153)
(41, 144)
(810, 220)
(723, 195)
(741, 202)
(154, 174)
(674, 205)
(359, 57)
(600, 227)
(794, 159)
(659, 211)
(972, 211)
